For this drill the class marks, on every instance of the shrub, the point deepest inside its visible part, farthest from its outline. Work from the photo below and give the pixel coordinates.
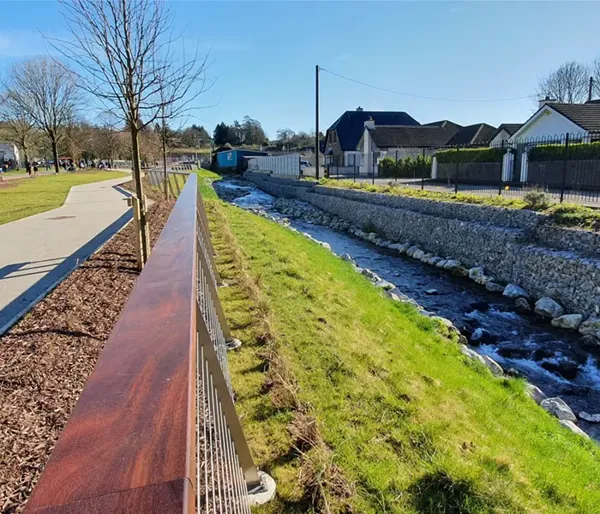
(408, 167)
(537, 200)
(573, 215)
(471, 155)
(556, 152)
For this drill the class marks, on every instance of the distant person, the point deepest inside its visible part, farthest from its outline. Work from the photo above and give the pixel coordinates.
(28, 167)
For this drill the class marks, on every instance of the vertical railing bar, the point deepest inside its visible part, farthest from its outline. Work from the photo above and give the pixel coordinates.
(226, 461)
(213, 394)
(210, 435)
(231, 470)
(221, 454)
(237, 470)
(206, 448)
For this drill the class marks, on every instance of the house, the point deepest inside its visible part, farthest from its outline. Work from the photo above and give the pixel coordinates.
(342, 138)
(9, 152)
(555, 119)
(478, 134)
(504, 132)
(400, 142)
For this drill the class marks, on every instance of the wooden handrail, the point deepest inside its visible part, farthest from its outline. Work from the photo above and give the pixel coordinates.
(130, 443)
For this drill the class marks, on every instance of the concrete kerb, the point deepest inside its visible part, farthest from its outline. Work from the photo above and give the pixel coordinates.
(265, 492)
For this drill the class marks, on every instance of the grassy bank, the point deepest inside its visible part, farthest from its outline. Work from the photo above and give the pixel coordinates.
(22, 198)
(565, 214)
(355, 403)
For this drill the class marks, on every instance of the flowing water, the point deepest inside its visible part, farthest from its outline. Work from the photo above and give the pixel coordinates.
(550, 358)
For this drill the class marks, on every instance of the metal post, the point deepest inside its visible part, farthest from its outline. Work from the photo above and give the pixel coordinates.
(591, 87)
(456, 172)
(423, 171)
(317, 122)
(501, 171)
(373, 167)
(564, 174)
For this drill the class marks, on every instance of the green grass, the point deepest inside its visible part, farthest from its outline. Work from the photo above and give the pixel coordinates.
(22, 198)
(566, 214)
(407, 423)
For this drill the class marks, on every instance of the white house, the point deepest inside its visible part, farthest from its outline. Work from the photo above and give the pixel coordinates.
(554, 120)
(504, 133)
(9, 151)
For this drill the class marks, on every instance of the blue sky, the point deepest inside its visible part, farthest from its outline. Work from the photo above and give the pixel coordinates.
(264, 55)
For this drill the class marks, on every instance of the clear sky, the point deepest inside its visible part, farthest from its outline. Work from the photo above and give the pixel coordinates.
(264, 55)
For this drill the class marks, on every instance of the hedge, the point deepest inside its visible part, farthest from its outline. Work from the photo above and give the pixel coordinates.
(556, 152)
(471, 155)
(405, 168)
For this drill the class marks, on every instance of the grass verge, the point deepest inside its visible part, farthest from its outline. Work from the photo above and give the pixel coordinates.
(355, 403)
(22, 198)
(565, 214)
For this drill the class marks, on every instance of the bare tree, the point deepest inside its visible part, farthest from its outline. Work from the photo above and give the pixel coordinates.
(568, 83)
(17, 128)
(42, 91)
(122, 51)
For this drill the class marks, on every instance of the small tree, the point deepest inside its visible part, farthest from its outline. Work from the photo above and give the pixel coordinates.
(41, 90)
(568, 83)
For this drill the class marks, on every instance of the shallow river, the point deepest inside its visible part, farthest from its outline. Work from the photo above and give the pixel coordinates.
(530, 346)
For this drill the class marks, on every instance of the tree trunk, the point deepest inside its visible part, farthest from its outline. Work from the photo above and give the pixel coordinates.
(137, 176)
(55, 155)
(164, 156)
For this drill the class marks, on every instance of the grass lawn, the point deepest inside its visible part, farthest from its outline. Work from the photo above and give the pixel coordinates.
(355, 403)
(22, 198)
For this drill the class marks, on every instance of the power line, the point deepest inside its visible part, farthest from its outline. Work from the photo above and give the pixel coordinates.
(424, 97)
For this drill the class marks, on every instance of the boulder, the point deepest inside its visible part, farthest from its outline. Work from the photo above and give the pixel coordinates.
(590, 327)
(510, 350)
(431, 292)
(451, 264)
(535, 393)
(590, 418)
(327, 246)
(385, 285)
(370, 274)
(522, 305)
(590, 344)
(559, 408)
(384, 243)
(493, 366)
(548, 308)
(494, 287)
(570, 321)
(404, 248)
(395, 246)
(476, 272)
(514, 291)
(348, 258)
(372, 236)
(482, 336)
(434, 260)
(573, 428)
(472, 354)
(441, 263)
(412, 250)
(459, 271)
(418, 254)
(565, 368)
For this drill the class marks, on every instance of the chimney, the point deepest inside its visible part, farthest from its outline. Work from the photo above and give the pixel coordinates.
(545, 101)
(359, 109)
(370, 123)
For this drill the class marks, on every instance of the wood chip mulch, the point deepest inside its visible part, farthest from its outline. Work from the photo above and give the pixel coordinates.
(47, 357)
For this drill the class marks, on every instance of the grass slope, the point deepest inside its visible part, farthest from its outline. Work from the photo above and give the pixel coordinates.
(22, 198)
(411, 425)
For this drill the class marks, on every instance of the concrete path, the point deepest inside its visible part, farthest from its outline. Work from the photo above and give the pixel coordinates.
(36, 253)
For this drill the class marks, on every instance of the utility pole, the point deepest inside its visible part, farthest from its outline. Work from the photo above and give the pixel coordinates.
(317, 122)
(590, 89)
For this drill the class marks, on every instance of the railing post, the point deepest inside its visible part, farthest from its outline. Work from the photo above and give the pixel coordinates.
(564, 173)
(456, 172)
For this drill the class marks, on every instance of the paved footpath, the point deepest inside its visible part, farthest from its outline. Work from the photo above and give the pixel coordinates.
(38, 252)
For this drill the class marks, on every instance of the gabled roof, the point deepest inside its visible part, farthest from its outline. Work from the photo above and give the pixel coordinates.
(447, 124)
(350, 125)
(407, 137)
(587, 115)
(478, 134)
(510, 128)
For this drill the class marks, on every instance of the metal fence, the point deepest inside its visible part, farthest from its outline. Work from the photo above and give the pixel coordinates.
(155, 429)
(566, 167)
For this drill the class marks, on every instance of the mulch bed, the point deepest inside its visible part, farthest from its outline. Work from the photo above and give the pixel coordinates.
(47, 357)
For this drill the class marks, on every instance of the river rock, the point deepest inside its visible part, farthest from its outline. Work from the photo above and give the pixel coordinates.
(482, 336)
(493, 366)
(566, 368)
(548, 308)
(395, 246)
(441, 263)
(459, 271)
(370, 274)
(573, 428)
(385, 285)
(590, 344)
(348, 258)
(451, 264)
(476, 272)
(372, 236)
(514, 291)
(570, 321)
(384, 243)
(412, 250)
(434, 260)
(590, 327)
(535, 393)
(522, 305)
(590, 418)
(327, 246)
(559, 408)
(418, 254)
(472, 354)
(511, 350)
(494, 287)
(404, 247)
(431, 292)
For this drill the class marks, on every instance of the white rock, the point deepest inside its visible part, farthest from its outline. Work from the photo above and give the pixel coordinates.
(476, 272)
(451, 264)
(559, 408)
(591, 418)
(369, 274)
(535, 393)
(590, 326)
(573, 428)
(493, 366)
(434, 260)
(395, 246)
(348, 258)
(548, 308)
(384, 243)
(514, 291)
(441, 263)
(384, 284)
(404, 247)
(327, 246)
(494, 287)
(418, 254)
(471, 353)
(372, 236)
(570, 321)
(412, 250)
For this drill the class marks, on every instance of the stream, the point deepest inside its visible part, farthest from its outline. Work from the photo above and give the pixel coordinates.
(553, 359)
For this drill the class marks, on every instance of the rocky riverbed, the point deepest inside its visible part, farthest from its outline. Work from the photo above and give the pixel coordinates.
(560, 362)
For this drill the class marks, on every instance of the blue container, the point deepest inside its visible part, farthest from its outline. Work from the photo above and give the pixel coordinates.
(233, 160)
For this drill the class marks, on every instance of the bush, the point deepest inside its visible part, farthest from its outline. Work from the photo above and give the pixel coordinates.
(405, 168)
(574, 215)
(556, 152)
(537, 200)
(471, 155)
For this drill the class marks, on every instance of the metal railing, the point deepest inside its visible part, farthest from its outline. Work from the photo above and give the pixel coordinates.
(155, 429)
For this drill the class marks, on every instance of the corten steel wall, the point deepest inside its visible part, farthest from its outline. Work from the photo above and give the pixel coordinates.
(159, 392)
(514, 246)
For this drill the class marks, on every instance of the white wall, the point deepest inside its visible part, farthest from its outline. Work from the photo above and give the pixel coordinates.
(287, 164)
(547, 123)
(501, 136)
(9, 151)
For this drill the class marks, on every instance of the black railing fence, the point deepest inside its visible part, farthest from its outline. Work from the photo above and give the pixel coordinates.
(565, 166)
